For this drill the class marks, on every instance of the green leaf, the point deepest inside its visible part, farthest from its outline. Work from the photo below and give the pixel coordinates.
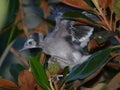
(49, 22)
(65, 72)
(12, 12)
(15, 69)
(8, 36)
(89, 3)
(8, 10)
(13, 34)
(90, 66)
(104, 36)
(3, 12)
(37, 57)
(96, 3)
(116, 8)
(76, 14)
(39, 74)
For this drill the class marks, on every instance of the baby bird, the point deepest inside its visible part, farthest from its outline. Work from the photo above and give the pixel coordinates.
(64, 44)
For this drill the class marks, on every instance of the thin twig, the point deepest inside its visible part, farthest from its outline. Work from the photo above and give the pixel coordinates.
(5, 52)
(19, 56)
(117, 38)
(111, 18)
(104, 19)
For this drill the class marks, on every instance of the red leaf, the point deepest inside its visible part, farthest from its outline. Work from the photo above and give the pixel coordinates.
(81, 4)
(105, 3)
(26, 80)
(7, 84)
(92, 45)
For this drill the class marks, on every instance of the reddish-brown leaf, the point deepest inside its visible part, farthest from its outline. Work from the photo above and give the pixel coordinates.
(114, 66)
(26, 80)
(114, 84)
(92, 45)
(84, 21)
(81, 4)
(45, 7)
(7, 84)
(105, 3)
(116, 56)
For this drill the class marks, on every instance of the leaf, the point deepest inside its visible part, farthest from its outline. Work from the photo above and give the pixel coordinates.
(114, 84)
(26, 80)
(15, 69)
(75, 15)
(115, 66)
(90, 66)
(39, 74)
(96, 3)
(4, 83)
(3, 12)
(116, 8)
(92, 45)
(81, 4)
(12, 12)
(8, 11)
(106, 3)
(7, 37)
(89, 2)
(103, 36)
(65, 72)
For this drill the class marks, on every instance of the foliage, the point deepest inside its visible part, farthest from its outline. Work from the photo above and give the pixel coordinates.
(104, 51)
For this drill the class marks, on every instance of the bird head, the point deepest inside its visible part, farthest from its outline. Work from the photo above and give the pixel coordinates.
(35, 40)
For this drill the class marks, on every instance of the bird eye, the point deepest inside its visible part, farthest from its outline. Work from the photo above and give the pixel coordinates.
(31, 42)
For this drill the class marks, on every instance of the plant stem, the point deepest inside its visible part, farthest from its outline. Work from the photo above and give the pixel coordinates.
(104, 19)
(51, 85)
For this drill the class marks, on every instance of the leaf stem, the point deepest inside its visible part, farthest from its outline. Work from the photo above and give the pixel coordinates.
(51, 85)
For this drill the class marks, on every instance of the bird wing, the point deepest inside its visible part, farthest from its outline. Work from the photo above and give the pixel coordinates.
(80, 34)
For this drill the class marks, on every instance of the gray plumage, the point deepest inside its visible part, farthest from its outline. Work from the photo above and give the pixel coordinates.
(64, 44)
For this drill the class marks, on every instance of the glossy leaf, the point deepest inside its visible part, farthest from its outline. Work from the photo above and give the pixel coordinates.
(8, 11)
(12, 12)
(81, 4)
(26, 80)
(39, 74)
(106, 3)
(103, 36)
(90, 66)
(7, 37)
(89, 3)
(4, 83)
(75, 15)
(15, 69)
